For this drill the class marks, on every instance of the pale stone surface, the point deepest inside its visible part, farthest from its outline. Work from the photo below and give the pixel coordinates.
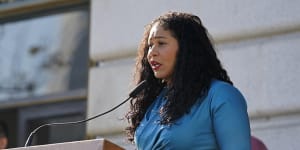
(117, 26)
(109, 85)
(279, 132)
(257, 43)
(267, 71)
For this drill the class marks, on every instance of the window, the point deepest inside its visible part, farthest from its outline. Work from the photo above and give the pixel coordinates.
(44, 67)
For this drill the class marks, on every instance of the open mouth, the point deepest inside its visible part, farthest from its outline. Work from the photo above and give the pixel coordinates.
(155, 65)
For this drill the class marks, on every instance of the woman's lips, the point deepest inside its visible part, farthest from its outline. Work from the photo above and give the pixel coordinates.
(155, 65)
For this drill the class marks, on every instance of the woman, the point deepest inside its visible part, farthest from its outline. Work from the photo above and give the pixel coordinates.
(189, 101)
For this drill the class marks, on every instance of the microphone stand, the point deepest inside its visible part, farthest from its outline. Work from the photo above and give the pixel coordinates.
(132, 94)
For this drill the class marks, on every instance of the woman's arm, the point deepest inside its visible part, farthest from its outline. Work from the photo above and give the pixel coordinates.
(230, 119)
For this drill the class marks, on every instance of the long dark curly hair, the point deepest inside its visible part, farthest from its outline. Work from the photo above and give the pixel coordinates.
(196, 66)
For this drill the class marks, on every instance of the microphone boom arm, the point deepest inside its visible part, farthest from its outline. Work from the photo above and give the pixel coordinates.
(132, 94)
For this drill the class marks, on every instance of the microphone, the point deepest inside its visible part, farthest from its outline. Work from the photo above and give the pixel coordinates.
(138, 89)
(132, 94)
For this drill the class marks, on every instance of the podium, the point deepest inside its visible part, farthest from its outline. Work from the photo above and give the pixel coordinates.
(96, 144)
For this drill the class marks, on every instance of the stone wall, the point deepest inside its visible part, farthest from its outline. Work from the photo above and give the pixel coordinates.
(257, 42)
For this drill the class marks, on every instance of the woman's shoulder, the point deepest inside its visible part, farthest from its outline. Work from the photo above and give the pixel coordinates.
(222, 88)
(222, 92)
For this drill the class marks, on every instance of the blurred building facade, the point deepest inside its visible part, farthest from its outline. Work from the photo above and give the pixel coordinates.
(44, 68)
(257, 42)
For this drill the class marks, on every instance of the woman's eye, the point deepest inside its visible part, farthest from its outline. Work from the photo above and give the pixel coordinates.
(157, 44)
(161, 43)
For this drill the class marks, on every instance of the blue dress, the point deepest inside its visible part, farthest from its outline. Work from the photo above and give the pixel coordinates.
(219, 122)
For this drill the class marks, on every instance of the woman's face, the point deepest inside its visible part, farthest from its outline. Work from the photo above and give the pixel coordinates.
(162, 52)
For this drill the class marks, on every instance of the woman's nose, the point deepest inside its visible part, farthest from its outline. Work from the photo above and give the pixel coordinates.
(152, 52)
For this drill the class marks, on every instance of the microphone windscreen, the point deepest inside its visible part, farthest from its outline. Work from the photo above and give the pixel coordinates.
(137, 89)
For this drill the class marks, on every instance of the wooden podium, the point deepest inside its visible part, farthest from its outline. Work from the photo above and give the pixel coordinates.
(96, 144)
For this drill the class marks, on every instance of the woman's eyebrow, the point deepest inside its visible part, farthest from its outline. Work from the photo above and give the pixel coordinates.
(158, 37)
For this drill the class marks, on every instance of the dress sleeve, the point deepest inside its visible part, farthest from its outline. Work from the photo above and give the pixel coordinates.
(230, 119)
